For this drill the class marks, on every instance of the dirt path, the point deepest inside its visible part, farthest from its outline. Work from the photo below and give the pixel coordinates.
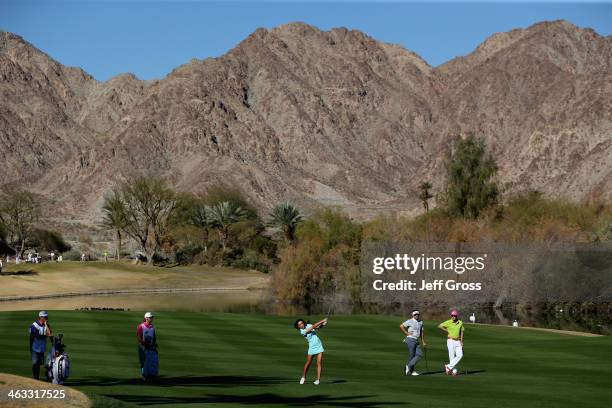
(8, 382)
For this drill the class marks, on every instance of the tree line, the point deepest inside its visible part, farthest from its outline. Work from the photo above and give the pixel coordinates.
(219, 227)
(319, 255)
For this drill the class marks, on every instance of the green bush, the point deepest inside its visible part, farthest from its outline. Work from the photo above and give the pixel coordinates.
(213, 256)
(72, 255)
(187, 254)
(250, 259)
(323, 261)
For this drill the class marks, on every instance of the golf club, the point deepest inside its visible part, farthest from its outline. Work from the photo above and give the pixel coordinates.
(327, 315)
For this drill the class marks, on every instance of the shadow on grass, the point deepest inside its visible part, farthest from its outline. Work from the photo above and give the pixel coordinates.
(203, 381)
(257, 399)
(18, 273)
(469, 372)
(431, 372)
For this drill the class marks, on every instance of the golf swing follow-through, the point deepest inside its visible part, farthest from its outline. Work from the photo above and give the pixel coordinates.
(315, 347)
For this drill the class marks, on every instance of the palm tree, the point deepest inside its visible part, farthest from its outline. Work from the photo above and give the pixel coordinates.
(285, 217)
(222, 215)
(425, 194)
(115, 217)
(193, 211)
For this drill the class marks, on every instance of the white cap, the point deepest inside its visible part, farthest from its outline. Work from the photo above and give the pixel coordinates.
(148, 314)
(43, 313)
(416, 312)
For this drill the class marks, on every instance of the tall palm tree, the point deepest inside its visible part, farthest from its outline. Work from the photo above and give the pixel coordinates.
(285, 217)
(115, 218)
(222, 215)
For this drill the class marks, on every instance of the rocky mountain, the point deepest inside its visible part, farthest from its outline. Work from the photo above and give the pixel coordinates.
(317, 118)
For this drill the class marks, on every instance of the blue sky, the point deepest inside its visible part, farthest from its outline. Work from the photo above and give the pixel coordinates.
(150, 38)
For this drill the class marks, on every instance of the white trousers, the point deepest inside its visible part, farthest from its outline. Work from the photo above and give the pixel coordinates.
(455, 352)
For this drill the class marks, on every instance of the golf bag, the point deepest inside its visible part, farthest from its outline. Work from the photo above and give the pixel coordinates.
(151, 364)
(58, 363)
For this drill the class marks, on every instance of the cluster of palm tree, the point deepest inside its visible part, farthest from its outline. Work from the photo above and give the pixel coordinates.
(223, 214)
(145, 209)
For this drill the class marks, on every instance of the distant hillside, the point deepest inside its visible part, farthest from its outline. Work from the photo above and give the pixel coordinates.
(332, 118)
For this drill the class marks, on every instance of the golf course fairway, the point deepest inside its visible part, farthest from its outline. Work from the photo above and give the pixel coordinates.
(222, 359)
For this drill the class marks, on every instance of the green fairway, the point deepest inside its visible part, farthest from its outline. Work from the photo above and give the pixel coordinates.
(221, 359)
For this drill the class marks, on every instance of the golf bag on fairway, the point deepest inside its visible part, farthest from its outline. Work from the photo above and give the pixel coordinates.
(58, 363)
(151, 364)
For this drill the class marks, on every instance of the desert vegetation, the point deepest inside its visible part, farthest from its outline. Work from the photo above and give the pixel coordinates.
(316, 256)
(324, 258)
(218, 228)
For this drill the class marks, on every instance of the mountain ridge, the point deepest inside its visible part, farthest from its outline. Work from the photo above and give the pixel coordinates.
(316, 117)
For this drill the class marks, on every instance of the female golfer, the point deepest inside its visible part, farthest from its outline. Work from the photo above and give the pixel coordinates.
(315, 347)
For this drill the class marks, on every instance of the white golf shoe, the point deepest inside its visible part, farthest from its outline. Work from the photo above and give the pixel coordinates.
(415, 373)
(302, 380)
(447, 368)
(407, 370)
(316, 382)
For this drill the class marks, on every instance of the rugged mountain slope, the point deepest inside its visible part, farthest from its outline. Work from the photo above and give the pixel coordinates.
(315, 117)
(543, 98)
(50, 112)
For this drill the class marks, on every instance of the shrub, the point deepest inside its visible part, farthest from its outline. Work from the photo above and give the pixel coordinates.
(324, 260)
(72, 255)
(251, 259)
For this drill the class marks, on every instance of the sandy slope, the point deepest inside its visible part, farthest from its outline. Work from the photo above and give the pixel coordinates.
(9, 382)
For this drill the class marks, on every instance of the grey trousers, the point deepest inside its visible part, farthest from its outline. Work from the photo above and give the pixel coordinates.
(414, 352)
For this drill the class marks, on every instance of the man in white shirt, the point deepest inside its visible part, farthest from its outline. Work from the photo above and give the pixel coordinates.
(413, 329)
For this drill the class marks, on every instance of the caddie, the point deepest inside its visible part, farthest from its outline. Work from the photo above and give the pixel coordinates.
(39, 331)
